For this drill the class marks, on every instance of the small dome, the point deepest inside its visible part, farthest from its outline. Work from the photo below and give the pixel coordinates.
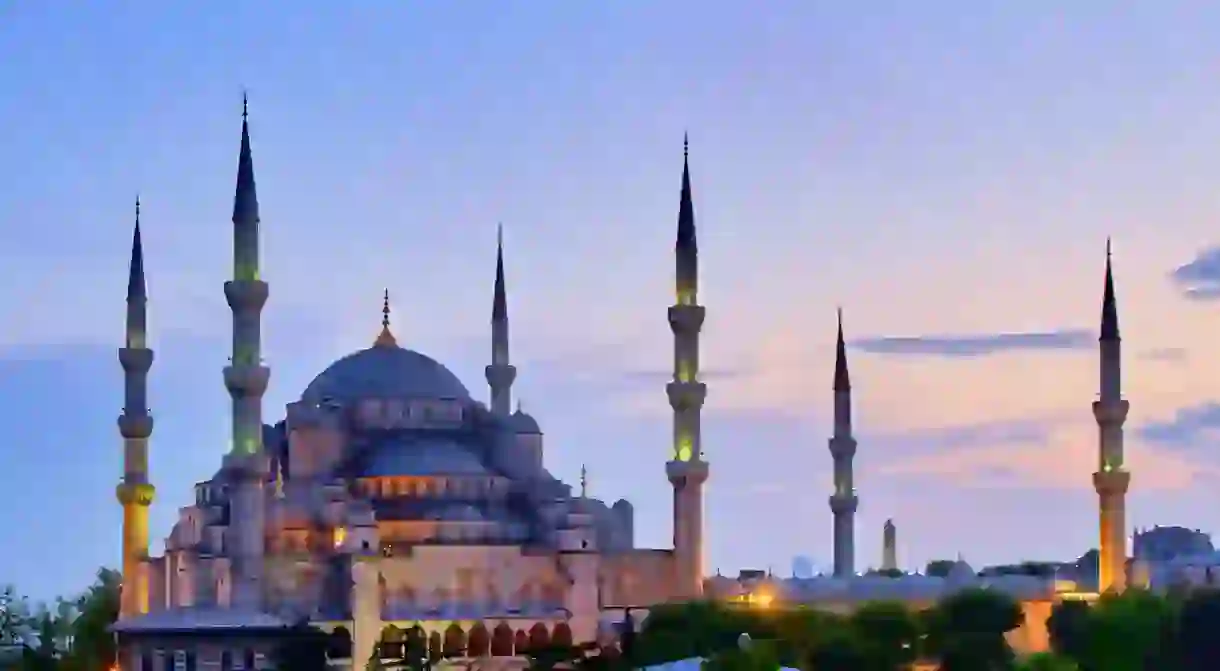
(523, 423)
(385, 371)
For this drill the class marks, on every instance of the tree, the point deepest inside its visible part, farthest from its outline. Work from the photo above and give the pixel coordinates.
(302, 648)
(1198, 622)
(1131, 630)
(839, 651)
(15, 618)
(887, 633)
(757, 656)
(971, 625)
(1047, 661)
(1068, 627)
(92, 645)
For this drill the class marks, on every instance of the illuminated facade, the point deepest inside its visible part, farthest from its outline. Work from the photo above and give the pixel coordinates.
(388, 495)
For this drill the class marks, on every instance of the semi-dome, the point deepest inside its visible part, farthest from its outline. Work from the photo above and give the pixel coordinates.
(385, 371)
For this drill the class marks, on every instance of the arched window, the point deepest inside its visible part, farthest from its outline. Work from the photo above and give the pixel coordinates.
(249, 655)
(226, 660)
(340, 644)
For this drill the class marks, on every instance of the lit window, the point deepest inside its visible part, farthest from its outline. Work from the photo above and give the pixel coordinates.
(340, 536)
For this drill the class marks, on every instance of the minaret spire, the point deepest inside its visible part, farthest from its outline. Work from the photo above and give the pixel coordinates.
(843, 501)
(246, 378)
(385, 338)
(1112, 479)
(686, 469)
(135, 493)
(501, 373)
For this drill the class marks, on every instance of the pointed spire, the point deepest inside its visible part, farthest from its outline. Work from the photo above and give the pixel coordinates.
(686, 209)
(584, 482)
(135, 279)
(245, 201)
(842, 379)
(385, 338)
(1109, 306)
(499, 305)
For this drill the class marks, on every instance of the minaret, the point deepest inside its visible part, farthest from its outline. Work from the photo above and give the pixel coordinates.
(843, 501)
(889, 546)
(135, 492)
(1111, 479)
(500, 374)
(686, 469)
(246, 378)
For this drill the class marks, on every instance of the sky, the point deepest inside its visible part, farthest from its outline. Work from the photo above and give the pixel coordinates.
(946, 171)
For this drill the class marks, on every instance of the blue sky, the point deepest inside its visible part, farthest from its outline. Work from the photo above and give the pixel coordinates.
(947, 171)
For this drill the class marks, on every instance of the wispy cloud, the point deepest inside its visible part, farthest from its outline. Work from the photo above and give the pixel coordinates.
(1200, 278)
(1188, 427)
(964, 436)
(1167, 354)
(974, 345)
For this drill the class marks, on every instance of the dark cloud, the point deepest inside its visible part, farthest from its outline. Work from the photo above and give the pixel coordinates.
(1189, 426)
(1200, 278)
(966, 346)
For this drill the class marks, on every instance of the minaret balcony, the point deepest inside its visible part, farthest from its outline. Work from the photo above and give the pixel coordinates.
(247, 380)
(1111, 483)
(246, 295)
(682, 473)
(686, 318)
(137, 493)
(844, 504)
(135, 426)
(500, 376)
(135, 359)
(1111, 412)
(686, 395)
(842, 448)
(248, 467)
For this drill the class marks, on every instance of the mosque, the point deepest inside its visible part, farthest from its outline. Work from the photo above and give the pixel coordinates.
(389, 498)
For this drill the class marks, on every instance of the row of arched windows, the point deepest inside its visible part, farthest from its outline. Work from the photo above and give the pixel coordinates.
(479, 641)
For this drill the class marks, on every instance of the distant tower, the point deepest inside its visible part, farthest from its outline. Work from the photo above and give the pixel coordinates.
(135, 492)
(500, 374)
(1111, 479)
(687, 471)
(246, 378)
(889, 546)
(843, 501)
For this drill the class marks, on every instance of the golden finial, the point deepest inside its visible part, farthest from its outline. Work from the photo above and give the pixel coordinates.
(385, 338)
(584, 481)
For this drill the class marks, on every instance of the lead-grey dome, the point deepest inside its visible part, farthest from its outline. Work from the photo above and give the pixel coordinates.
(385, 371)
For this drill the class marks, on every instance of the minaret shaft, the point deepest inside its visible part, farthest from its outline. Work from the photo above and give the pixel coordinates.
(135, 493)
(843, 501)
(1111, 480)
(686, 470)
(246, 379)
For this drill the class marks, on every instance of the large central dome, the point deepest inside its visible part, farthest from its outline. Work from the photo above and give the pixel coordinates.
(385, 370)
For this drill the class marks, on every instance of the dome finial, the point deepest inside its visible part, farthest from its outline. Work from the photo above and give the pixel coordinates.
(584, 482)
(385, 338)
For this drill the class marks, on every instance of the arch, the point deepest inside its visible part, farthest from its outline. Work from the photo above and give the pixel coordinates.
(521, 642)
(502, 640)
(455, 641)
(339, 643)
(435, 646)
(393, 634)
(539, 636)
(416, 645)
(226, 661)
(478, 642)
(562, 635)
(248, 654)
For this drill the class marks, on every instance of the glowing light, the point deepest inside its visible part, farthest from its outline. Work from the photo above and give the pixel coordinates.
(760, 599)
(340, 536)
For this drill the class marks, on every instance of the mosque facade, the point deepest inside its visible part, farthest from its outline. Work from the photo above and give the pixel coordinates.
(388, 497)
